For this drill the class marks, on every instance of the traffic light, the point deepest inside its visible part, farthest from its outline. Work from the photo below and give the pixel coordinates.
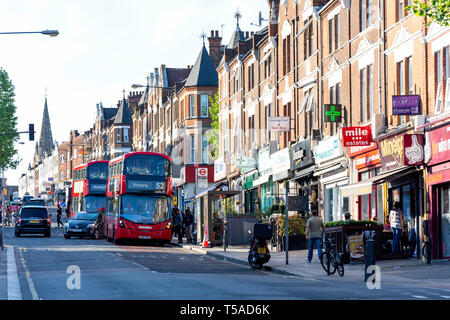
(31, 131)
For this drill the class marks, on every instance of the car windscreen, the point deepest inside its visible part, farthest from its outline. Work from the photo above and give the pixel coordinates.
(34, 213)
(144, 209)
(85, 216)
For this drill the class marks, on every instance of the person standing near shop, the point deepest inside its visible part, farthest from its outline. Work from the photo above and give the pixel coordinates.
(396, 221)
(314, 230)
(177, 224)
(188, 221)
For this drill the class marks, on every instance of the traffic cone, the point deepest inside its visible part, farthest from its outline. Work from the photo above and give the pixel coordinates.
(205, 238)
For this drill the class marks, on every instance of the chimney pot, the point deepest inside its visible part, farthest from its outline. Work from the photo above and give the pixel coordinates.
(246, 34)
(217, 33)
(212, 33)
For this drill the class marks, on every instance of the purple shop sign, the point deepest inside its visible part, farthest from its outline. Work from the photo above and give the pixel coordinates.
(406, 105)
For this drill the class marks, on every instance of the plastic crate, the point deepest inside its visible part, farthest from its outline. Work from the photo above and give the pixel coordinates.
(263, 231)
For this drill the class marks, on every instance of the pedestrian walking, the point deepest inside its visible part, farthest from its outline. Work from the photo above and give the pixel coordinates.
(188, 221)
(68, 210)
(177, 224)
(314, 230)
(58, 215)
(396, 220)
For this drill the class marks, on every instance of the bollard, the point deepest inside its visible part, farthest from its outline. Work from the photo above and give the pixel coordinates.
(370, 257)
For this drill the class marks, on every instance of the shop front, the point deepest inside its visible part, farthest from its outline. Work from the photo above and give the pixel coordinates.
(402, 159)
(332, 173)
(303, 183)
(438, 183)
(365, 198)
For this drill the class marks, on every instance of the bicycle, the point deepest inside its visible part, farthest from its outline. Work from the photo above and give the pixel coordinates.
(332, 260)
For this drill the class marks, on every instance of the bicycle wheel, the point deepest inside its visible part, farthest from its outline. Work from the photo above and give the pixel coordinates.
(324, 263)
(339, 265)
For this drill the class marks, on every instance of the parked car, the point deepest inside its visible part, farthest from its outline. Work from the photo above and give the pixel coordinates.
(80, 225)
(33, 219)
(35, 202)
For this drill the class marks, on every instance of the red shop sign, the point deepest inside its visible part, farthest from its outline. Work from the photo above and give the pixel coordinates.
(357, 136)
(413, 152)
(367, 159)
(355, 151)
(440, 145)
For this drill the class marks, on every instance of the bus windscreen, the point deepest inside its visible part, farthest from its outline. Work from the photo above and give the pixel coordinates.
(144, 209)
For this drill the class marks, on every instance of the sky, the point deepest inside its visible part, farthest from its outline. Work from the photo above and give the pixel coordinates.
(103, 47)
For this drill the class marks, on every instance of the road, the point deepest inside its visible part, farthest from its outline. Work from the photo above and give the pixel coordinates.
(85, 269)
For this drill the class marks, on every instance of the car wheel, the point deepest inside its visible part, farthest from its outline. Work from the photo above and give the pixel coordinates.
(66, 236)
(47, 234)
(17, 234)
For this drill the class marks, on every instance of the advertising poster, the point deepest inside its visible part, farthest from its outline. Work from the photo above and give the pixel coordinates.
(356, 247)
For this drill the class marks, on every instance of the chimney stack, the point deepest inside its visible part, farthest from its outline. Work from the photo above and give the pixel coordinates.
(215, 46)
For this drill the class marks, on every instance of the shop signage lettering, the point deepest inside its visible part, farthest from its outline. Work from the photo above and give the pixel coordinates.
(368, 159)
(327, 150)
(414, 153)
(354, 151)
(440, 145)
(301, 154)
(406, 105)
(391, 151)
(279, 124)
(97, 187)
(357, 136)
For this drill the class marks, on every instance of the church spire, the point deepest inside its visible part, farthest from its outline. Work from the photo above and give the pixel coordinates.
(46, 138)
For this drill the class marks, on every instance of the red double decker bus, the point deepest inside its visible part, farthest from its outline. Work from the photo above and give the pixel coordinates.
(89, 186)
(139, 197)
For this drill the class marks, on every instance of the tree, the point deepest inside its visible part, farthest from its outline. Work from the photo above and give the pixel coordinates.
(8, 123)
(437, 10)
(213, 135)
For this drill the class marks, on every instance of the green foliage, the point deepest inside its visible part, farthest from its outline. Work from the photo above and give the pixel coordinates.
(296, 225)
(436, 10)
(351, 223)
(8, 123)
(213, 135)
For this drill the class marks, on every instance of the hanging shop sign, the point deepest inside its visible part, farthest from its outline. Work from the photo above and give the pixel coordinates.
(332, 113)
(406, 105)
(395, 153)
(327, 149)
(357, 136)
(440, 145)
(281, 161)
(413, 149)
(279, 124)
(220, 169)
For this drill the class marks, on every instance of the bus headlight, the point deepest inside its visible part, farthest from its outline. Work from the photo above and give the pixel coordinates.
(121, 223)
(169, 225)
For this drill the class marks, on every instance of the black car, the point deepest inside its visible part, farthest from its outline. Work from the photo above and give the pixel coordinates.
(34, 202)
(33, 219)
(80, 225)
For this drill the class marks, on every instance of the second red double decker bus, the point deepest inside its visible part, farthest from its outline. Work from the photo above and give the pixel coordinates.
(139, 197)
(89, 187)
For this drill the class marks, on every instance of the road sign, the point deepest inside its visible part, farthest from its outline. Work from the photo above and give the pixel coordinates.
(202, 173)
(332, 113)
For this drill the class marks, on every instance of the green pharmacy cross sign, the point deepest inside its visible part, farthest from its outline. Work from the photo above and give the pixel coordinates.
(333, 112)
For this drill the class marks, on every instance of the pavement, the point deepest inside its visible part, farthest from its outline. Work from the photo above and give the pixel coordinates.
(396, 271)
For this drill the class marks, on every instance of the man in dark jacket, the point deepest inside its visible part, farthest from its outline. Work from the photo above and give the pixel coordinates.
(188, 221)
(58, 215)
(177, 223)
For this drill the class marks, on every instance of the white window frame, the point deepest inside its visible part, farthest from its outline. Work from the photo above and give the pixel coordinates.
(204, 107)
(192, 148)
(191, 106)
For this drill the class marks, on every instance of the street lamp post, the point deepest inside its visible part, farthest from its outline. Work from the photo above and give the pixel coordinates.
(51, 33)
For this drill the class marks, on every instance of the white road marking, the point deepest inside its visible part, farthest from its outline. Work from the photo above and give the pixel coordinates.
(419, 297)
(14, 292)
(29, 280)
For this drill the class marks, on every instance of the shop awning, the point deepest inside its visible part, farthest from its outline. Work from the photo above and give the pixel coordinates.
(357, 189)
(399, 173)
(303, 173)
(261, 180)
